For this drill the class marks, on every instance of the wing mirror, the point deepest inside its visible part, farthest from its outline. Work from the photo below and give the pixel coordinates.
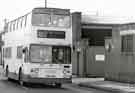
(24, 50)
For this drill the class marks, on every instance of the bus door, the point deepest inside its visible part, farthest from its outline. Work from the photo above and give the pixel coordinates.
(19, 59)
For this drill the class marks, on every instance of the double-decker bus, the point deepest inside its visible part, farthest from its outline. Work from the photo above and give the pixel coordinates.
(37, 47)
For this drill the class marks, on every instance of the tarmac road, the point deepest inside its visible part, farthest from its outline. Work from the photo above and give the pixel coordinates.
(13, 87)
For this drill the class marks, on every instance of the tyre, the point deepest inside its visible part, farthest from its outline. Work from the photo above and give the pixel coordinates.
(7, 73)
(21, 82)
(58, 85)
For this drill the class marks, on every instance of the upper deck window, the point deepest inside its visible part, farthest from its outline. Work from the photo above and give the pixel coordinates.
(60, 21)
(41, 19)
(26, 20)
(51, 18)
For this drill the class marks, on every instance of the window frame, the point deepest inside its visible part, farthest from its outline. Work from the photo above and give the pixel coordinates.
(25, 20)
(7, 52)
(19, 54)
(127, 44)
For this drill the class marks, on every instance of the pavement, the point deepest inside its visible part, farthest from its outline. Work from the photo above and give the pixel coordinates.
(2, 75)
(101, 84)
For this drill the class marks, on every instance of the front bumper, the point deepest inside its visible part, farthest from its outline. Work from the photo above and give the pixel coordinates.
(29, 79)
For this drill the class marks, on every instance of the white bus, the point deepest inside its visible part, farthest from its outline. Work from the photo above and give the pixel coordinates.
(37, 47)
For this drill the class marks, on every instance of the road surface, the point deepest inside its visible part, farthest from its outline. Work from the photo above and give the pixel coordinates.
(13, 87)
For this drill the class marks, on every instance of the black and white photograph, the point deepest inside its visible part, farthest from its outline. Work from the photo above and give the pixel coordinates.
(67, 46)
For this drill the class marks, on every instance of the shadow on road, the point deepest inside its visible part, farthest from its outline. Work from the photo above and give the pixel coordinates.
(15, 83)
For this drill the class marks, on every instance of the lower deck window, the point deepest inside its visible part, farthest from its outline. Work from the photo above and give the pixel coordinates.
(19, 52)
(7, 52)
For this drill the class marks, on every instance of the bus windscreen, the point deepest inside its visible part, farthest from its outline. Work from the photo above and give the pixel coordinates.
(50, 54)
(39, 53)
(61, 55)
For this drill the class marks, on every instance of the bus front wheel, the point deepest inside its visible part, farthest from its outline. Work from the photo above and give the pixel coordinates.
(21, 82)
(7, 72)
(58, 85)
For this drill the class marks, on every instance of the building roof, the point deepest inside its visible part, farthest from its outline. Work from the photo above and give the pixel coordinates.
(95, 19)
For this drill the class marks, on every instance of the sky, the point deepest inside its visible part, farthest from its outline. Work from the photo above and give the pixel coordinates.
(11, 9)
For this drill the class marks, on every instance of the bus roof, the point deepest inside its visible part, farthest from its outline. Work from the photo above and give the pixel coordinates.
(58, 11)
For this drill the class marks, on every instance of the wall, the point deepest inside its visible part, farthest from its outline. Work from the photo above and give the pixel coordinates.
(95, 61)
(119, 66)
(83, 56)
(86, 64)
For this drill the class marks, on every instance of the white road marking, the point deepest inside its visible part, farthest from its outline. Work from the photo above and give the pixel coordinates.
(24, 87)
(71, 87)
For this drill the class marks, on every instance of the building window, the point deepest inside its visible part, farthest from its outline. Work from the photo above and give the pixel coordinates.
(7, 52)
(19, 52)
(127, 43)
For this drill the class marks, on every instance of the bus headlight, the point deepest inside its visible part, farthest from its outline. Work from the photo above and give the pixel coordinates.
(66, 73)
(34, 70)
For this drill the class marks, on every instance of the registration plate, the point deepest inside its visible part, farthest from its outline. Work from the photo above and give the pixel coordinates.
(52, 71)
(48, 72)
